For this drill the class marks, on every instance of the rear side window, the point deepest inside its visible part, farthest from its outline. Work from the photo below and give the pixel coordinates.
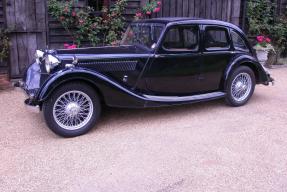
(216, 38)
(238, 42)
(182, 38)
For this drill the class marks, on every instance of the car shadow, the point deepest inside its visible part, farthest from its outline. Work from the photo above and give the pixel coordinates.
(118, 115)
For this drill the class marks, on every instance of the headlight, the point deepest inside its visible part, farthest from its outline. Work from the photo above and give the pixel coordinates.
(51, 62)
(39, 56)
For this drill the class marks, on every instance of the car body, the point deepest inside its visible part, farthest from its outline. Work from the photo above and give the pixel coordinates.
(160, 62)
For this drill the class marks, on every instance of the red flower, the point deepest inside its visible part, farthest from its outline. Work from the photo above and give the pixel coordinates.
(148, 13)
(156, 10)
(260, 39)
(268, 40)
(139, 14)
(62, 18)
(159, 3)
(74, 14)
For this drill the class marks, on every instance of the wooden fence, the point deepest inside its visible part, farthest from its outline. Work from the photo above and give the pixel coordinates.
(26, 21)
(226, 10)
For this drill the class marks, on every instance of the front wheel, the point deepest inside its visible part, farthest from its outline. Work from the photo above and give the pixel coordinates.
(240, 86)
(72, 110)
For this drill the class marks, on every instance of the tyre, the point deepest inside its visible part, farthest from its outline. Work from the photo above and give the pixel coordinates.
(72, 110)
(240, 86)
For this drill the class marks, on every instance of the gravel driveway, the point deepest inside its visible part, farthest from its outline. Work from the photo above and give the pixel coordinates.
(200, 147)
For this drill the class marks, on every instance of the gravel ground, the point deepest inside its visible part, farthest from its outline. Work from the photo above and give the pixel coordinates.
(200, 147)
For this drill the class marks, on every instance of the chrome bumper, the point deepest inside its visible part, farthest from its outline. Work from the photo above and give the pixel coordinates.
(30, 102)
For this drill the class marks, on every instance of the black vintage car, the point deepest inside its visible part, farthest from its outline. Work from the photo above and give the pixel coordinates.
(160, 62)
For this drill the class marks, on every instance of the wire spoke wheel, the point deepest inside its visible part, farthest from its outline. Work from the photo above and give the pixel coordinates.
(73, 110)
(241, 87)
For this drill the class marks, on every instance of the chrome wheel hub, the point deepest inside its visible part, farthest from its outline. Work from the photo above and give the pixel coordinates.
(73, 110)
(241, 87)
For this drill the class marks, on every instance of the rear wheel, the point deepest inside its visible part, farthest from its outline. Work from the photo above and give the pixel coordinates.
(240, 86)
(72, 110)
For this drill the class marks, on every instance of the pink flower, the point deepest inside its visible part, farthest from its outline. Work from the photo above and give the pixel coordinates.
(139, 14)
(148, 13)
(66, 45)
(159, 3)
(260, 38)
(66, 10)
(156, 10)
(72, 46)
(268, 40)
(74, 14)
(81, 21)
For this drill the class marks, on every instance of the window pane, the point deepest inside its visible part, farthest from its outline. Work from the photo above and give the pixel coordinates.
(238, 42)
(216, 39)
(182, 38)
(96, 4)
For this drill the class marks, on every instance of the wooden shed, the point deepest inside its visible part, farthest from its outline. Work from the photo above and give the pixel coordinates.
(32, 28)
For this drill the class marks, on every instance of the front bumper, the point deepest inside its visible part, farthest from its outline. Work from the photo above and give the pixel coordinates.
(31, 83)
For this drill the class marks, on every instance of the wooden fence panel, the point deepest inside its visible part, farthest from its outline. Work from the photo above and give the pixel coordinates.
(26, 22)
(226, 10)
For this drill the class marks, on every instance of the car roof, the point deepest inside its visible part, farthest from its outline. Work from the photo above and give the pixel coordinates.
(187, 20)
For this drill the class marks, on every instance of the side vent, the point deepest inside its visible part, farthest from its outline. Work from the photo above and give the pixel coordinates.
(111, 65)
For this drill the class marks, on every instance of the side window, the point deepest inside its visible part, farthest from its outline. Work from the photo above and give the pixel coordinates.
(216, 38)
(181, 38)
(238, 42)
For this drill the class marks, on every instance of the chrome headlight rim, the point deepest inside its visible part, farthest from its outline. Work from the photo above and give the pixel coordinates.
(51, 62)
(39, 56)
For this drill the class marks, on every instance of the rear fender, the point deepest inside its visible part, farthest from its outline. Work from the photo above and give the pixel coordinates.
(245, 60)
(113, 93)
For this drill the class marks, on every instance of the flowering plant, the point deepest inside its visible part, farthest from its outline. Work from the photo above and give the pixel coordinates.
(149, 9)
(82, 25)
(263, 43)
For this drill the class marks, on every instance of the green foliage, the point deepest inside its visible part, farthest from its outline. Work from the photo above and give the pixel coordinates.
(82, 25)
(263, 21)
(4, 44)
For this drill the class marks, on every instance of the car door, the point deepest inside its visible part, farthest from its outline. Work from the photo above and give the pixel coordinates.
(217, 53)
(175, 68)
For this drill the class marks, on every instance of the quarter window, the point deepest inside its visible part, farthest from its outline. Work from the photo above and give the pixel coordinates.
(216, 38)
(182, 38)
(238, 42)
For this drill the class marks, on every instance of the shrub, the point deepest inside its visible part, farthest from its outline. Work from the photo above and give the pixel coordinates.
(82, 25)
(263, 21)
(4, 44)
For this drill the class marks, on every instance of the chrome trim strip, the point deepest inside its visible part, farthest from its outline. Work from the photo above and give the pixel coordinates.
(185, 98)
(102, 56)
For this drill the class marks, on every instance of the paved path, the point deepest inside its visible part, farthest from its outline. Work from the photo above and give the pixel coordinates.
(199, 147)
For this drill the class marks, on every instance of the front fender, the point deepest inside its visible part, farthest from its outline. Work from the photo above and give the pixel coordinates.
(246, 60)
(113, 93)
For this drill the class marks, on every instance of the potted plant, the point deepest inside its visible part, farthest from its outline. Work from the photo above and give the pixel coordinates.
(263, 48)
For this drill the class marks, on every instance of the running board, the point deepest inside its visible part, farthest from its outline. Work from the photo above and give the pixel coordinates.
(206, 96)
